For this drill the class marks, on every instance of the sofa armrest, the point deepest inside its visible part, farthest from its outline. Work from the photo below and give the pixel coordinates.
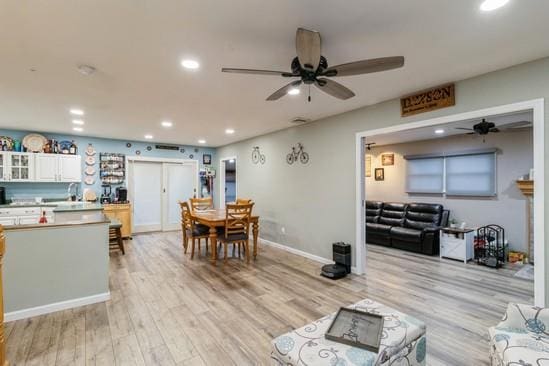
(525, 317)
(431, 229)
(445, 217)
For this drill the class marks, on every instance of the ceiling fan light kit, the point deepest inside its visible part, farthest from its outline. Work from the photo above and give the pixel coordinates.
(312, 68)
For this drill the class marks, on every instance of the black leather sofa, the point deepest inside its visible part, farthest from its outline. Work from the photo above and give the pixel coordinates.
(409, 226)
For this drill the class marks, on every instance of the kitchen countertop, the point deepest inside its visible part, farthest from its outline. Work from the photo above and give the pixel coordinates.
(105, 220)
(60, 206)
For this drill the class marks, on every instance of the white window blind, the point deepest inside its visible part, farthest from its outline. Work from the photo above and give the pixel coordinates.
(425, 175)
(471, 175)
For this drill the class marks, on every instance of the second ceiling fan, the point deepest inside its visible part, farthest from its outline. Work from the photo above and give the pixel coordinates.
(312, 68)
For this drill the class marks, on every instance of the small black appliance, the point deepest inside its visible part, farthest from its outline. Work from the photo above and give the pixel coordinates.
(342, 258)
(2, 195)
(121, 194)
(107, 193)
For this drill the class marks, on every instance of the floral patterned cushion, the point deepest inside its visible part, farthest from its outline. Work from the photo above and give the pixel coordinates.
(522, 337)
(403, 342)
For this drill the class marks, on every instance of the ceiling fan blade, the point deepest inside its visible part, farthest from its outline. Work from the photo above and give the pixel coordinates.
(471, 133)
(307, 44)
(514, 125)
(334, 89)
(463, 128)
(258, 72)
(284, 90)
(366, 66)
(493, 129)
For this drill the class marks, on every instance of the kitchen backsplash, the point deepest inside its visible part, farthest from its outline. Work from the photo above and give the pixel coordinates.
(59, 190)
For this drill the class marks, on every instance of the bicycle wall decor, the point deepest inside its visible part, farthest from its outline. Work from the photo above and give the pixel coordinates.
(257, 156)
(297, 154)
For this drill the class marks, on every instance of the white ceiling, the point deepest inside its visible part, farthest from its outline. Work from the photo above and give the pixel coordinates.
(137, 45)
(428, 133)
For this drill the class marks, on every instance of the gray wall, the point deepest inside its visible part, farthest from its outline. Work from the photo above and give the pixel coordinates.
(52, 264)
(508, 209)
(316, 202)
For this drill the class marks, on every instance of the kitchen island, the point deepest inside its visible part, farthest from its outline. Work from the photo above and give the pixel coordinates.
(55, 266)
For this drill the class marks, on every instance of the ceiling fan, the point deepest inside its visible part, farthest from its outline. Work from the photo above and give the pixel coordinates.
(484, 127)
(312, 68)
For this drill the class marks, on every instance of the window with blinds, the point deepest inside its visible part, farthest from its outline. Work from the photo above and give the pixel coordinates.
(471, 175)
(425, 175)
(458, 174)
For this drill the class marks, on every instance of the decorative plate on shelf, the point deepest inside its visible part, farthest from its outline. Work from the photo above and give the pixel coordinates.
(90, 170)
(89, 195)
(90, 160)
(64, 147)
(90, 150)
(89, 180)
(34, 142)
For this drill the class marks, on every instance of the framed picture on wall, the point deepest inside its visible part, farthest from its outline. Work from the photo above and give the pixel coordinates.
(387, 159)
(379, 174)
(368, 166)
(206, 159)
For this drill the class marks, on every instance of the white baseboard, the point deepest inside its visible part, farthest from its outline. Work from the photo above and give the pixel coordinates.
(313, 257)
(56, 306)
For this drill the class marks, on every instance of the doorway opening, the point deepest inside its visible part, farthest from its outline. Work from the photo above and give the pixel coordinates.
(227, 181)
(155, 188)
(444, 171)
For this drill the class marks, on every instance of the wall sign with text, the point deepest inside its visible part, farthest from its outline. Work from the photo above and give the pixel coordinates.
(428, 100)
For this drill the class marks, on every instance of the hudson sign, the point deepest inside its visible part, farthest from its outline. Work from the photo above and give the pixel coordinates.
(428, 100)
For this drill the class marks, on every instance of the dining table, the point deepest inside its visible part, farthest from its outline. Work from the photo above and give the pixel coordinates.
(215, 218)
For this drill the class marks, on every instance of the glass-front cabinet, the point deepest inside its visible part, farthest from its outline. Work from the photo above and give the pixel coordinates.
(3, 166)
(21, 169)
(16, 167)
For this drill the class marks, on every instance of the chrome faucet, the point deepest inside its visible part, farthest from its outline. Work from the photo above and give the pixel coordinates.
(69, 195)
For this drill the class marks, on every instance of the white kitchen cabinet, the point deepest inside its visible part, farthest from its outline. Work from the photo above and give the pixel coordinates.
(16, 167)
(4, 166)
(70, 168)
(29, 220)
(21, 167)
(8, 221)
(58, 168)
(25, 215)
(46, 168)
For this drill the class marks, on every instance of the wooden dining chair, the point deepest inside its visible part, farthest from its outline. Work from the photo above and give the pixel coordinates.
(192, 230)
(237, 228)
(201, 204)
(243, 201)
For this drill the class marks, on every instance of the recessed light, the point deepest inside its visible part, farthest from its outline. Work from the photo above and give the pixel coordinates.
(149, 137)
(201, 141)
(78, 122)
(231, 161)
(489, 5)
(439, 131)
(78, 129)
(167, 124)
(190, 64)
(77, 112)
(293, 91)
(229, 131)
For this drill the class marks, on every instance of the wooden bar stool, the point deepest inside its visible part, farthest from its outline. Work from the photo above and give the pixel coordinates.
(115, 235)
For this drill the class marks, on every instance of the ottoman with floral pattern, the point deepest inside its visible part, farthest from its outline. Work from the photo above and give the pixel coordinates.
(522, 337)
(403, 342)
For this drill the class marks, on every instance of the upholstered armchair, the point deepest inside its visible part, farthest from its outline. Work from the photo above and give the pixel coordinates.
(521, 338)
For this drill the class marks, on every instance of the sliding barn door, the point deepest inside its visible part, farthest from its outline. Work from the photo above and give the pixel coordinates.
(179, 185)
(146, 195)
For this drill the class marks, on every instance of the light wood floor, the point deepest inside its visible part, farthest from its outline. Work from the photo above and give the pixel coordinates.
(169, 310)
